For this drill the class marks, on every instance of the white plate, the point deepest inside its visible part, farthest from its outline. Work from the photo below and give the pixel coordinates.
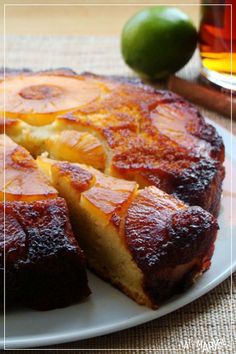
(108, 310)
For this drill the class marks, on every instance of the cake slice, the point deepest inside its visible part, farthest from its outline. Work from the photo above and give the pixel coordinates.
(146, 242)
(44, 266)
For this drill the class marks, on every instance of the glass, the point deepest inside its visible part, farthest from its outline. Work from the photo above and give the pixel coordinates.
(215, 43)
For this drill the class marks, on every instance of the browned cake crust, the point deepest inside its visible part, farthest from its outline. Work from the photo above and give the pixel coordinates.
(170, 246)
(147, 243)
(45, 268)
(168, 144)
(151, 136)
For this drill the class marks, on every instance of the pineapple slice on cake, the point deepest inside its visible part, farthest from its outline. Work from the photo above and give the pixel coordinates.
(78, 147)
(70, 145)
(20, 179)
(101, 194)
(38, 98)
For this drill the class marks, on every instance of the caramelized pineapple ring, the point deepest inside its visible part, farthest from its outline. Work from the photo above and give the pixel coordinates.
(104, 196)
(22, 180)
(73, 146)
(69, 145)
(37, 99)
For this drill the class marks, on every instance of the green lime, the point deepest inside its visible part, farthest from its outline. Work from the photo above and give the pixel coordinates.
(158, 41)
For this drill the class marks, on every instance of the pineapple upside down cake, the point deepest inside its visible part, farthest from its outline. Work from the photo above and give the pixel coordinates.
(139, 170)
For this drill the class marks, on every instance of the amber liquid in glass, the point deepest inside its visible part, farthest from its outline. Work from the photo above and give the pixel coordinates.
(215, 40)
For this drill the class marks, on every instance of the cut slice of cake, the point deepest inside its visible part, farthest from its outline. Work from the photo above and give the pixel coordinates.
(44, 266)
(147, 243)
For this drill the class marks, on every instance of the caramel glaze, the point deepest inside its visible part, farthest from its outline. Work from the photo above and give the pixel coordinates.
(22, 180)
(79, 178)
(45, 268)
(157, 138)
(152, 136)
(162, 234)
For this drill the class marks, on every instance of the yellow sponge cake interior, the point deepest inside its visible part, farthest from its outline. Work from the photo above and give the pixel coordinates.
(121, 225)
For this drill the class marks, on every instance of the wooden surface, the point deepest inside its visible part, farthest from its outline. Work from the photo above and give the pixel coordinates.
(79, 20)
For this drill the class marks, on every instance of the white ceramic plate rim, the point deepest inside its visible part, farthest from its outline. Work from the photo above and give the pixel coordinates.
(173, 304)
(135, 321)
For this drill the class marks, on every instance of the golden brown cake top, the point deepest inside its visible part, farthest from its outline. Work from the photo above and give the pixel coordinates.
(105, 103)
(153, 137)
